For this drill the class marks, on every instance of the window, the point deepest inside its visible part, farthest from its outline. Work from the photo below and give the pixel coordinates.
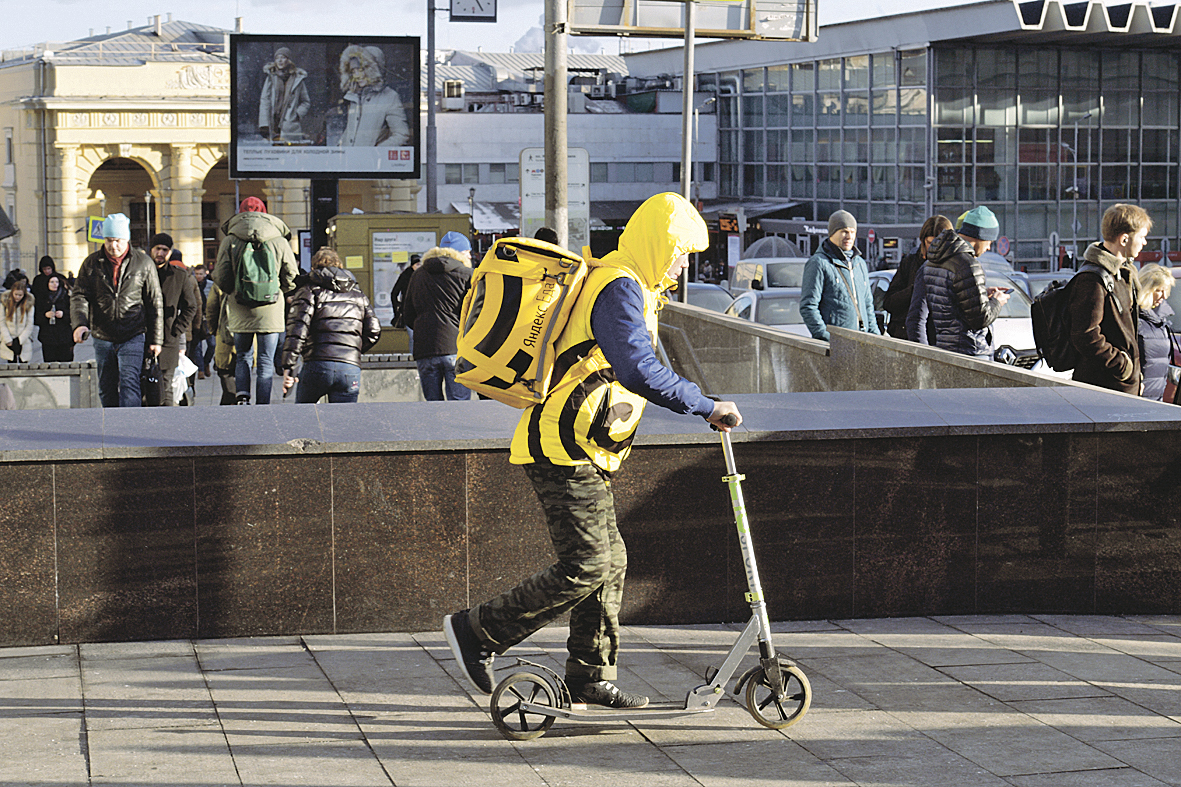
(598, 172)
(623, 172)
(461, 173)
(645, 173)
(9, 155)
(453, 88)
(504, 173)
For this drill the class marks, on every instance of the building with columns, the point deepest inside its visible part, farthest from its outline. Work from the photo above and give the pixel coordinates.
(136, 122)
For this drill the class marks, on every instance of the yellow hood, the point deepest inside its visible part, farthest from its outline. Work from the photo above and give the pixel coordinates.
(662, 229)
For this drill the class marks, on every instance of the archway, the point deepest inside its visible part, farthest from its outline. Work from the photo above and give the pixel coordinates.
(123, 185)
(220, 202)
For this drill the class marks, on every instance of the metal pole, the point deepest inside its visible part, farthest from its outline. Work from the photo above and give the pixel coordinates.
(1074, 201)
(432, 175)
(687, 101)
(687, 80)
(557, 211)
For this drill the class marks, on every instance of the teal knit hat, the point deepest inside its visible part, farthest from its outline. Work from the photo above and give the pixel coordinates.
(979, 223)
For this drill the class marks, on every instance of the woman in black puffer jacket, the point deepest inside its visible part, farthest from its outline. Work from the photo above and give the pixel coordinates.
(330, 324)
(1155, 335)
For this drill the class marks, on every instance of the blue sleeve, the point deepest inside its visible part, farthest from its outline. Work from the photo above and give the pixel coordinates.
(811, 289)
(617, 320)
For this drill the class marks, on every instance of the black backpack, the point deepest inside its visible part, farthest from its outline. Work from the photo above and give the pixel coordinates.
(1051, 319)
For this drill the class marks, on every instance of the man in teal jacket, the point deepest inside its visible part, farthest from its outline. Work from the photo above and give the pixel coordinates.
(835, 289)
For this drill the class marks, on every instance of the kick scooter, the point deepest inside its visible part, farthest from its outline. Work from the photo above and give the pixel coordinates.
(525, 704)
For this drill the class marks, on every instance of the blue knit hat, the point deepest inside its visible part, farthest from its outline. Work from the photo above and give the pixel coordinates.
(979, 223)
(456, 242)
(117, 226)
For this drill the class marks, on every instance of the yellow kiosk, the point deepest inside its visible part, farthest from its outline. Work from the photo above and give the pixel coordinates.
(376, 248)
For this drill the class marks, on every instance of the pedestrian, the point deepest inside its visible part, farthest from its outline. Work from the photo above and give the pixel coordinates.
(331, 324)
(1103, 303)
(1158, 346)
(38, 287)
(253, 227)
(569, 453)
(901, 287)
(432, 305)
(16, 323)
(224, 359)
(201, 347)
(116, 299)
(835, 287)
(53, 321)
(951, 299)
(398, 299)
(178, 288)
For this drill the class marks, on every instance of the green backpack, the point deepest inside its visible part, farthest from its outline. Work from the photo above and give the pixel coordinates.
(257, 281)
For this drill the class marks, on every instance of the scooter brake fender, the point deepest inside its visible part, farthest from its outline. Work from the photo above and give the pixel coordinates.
(784, 663)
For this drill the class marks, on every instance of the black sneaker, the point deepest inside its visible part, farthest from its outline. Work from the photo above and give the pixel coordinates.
(607, 694)
(243, 399)
(474, 659)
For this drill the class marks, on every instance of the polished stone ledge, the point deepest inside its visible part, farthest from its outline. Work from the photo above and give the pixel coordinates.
(414, 427)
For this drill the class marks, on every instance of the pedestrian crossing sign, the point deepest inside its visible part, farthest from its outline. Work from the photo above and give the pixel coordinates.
(94, 229)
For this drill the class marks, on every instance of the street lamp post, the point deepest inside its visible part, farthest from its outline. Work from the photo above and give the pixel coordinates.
(1074, 190)
(148, 200)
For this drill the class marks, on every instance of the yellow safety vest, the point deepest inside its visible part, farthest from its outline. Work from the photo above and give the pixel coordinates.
(588, 417)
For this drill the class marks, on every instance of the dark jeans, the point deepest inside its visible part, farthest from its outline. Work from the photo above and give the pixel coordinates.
(340, 380)
(265, 376)
(119, 365)
(200, 352)
(587, 580)
(436, 375)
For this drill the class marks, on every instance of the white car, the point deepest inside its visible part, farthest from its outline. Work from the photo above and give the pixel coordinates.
(776, 308)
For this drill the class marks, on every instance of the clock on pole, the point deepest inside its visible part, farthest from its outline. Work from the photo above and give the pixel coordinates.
(473, 10)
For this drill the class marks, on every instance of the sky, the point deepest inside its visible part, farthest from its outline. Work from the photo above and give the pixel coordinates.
(68, 20)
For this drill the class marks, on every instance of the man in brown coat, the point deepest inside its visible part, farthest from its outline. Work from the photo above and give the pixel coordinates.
(1103, 296)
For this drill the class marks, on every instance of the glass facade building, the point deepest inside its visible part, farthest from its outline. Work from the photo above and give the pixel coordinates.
(1047, 131)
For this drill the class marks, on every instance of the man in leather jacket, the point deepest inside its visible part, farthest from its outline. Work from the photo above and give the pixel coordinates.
(117, 299)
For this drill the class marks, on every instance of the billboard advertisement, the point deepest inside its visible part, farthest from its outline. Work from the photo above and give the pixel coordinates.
(324, 107)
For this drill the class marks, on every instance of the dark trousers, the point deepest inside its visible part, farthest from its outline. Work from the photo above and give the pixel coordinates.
(586, 580)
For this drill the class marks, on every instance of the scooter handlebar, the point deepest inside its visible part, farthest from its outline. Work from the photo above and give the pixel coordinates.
(729, 419)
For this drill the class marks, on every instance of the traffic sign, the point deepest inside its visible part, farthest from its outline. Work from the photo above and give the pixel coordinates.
(870, 235)
(94, 229)
(1002, 246)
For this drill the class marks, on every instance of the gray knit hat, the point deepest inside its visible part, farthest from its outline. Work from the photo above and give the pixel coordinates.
(839, 221)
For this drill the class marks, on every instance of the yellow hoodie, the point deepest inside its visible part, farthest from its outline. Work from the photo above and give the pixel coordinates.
(589, 417)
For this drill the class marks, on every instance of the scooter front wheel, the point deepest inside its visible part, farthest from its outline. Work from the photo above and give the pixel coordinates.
(779, 712)
(513, 721)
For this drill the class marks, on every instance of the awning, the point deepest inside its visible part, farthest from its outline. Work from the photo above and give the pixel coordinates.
(7, 229)
(711, 209)
(491, 216)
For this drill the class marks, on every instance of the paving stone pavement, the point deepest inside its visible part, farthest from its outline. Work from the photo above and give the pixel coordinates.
(1029, 701)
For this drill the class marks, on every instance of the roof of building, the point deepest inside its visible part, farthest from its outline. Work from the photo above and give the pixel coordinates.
(180, 41)
(1044, 22)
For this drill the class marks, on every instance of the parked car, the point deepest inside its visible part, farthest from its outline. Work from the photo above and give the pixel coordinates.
(768, 262)
(776, 308)
(708, 296)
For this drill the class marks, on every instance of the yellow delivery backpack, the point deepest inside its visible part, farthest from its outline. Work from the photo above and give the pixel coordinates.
(519, 301)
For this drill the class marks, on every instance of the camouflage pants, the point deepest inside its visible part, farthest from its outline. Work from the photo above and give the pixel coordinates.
(586, 580)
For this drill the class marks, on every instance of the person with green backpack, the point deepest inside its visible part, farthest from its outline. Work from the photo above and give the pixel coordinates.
(255, 267)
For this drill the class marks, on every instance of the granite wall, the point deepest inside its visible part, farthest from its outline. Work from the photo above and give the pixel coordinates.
(161, 524)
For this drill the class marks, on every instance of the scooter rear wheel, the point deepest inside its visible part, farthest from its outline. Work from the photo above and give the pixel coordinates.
(513, 722)
(773, 712)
